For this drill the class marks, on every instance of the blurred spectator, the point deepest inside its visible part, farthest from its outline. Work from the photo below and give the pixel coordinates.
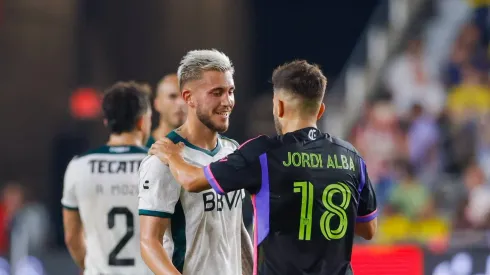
(459, 57)
(11, 202)
(483, 146)
(475, 210)
(467, 50)
(409, 79)
(469, 100)
(460, 146)
(379, 139)
(422, 140)
(482, 21)
(409, 197)
(29, 226)
(470, 37)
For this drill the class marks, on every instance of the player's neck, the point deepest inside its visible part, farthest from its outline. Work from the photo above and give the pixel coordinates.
(295, 125)
(199, 135)
(162, 130)
(125, 139)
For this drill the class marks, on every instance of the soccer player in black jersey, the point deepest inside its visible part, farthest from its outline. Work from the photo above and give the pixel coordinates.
(310, 190)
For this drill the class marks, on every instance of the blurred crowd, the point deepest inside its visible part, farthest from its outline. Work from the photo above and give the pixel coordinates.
(426, 138)
(24, 228)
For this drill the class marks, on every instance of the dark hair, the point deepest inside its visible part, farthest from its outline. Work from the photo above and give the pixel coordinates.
(123, 104)
(303, 79)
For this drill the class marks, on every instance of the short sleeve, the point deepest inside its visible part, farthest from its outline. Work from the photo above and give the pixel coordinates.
(240, 170)
(367, 208)
(158, 191)
(69, 199)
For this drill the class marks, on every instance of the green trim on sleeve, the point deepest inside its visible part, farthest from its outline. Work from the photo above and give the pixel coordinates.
(144, 212)
(69, 207)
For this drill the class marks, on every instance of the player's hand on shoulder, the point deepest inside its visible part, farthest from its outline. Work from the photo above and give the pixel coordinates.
(165, 150)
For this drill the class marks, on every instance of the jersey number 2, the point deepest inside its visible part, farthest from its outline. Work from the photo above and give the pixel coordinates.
(113, 260)
(307, 198)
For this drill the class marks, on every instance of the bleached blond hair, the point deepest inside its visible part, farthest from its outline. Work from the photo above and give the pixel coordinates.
(195, 62)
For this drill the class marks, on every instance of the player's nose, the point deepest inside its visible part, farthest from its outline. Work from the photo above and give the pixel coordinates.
(228, 100)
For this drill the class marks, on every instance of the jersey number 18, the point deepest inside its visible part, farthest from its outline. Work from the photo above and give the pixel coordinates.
(307, 199)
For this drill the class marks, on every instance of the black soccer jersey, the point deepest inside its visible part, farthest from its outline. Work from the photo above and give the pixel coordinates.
(308, 189)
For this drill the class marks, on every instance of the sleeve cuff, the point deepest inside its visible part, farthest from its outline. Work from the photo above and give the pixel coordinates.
(73, 208)
(368, 217)
(212, 180)
(153, 213)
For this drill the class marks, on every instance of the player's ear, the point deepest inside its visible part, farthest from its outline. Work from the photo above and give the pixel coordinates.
(280, 108)
(274, 106)
(139, 123)
(187, 96)
(156, 105)
(106, 123)
(321, 111)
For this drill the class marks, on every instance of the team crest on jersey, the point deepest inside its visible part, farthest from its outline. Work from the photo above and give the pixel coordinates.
(312, 134)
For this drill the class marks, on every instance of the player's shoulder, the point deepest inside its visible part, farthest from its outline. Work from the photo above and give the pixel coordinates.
(254, 147)
(152, 164)
(153, 171)
(85, 157)
(260, 141)
(228, 142)
(76, 165)
(336, 141)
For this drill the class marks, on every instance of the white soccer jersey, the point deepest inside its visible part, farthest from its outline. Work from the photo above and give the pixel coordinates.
(103, 186)
(204, 235)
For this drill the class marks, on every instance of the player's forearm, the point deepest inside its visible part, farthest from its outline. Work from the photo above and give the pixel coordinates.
(76, 247)
(191, 177)
(74, 240)
(247, 253)
(366, 230)
(156, 258)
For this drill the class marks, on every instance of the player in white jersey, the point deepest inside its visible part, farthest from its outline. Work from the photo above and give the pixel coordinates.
(100, 191)
(204, 232)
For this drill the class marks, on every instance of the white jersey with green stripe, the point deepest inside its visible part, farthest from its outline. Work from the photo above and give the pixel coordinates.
(103, 186)
(205, 228)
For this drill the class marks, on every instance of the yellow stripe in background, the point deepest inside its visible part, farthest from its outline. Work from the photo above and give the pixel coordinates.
(478, 3)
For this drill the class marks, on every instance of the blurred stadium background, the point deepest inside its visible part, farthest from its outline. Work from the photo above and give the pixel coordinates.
(409, 86)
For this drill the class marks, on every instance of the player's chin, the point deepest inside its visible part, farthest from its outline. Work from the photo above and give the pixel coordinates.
(221, 125)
